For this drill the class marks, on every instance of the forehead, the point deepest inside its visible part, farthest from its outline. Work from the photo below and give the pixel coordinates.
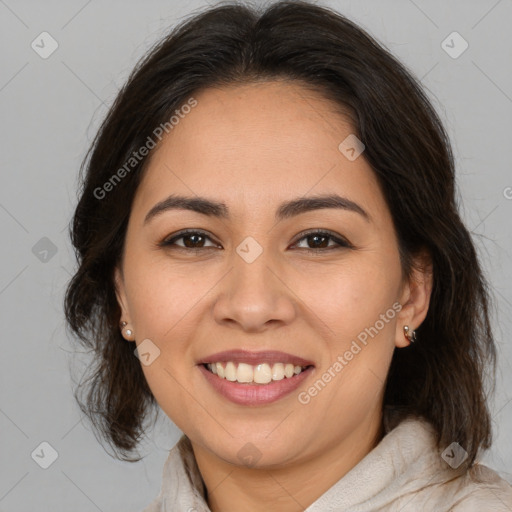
(254, 145)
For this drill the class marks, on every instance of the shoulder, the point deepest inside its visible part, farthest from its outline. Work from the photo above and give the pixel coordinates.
(481, 488)
(435, 484)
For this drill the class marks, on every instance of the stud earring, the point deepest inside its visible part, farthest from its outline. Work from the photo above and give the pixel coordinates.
(410, 335)
(128, 333)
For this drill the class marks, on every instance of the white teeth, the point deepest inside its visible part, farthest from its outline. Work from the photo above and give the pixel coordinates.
(244, 373)
(288, 370)
(278, 371)
(230, 371)
(260, 374)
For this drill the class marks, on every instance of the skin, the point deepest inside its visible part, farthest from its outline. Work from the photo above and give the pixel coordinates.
(253, 147)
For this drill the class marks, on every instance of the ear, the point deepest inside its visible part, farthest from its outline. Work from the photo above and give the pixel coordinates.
(121, 294)
(415, 297)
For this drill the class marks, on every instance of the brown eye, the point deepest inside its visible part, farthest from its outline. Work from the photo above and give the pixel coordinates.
(193, 240)
(321, 240)
(190, 240)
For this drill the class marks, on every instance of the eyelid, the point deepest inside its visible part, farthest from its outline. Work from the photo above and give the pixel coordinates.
(340, 241)
(168, 240)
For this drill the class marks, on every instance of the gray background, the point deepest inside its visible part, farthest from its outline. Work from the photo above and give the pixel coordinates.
(50, 109)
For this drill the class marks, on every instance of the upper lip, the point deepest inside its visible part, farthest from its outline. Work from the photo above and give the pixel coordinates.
(244, 356)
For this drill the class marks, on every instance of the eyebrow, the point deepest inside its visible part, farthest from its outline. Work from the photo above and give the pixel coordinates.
(286, 210)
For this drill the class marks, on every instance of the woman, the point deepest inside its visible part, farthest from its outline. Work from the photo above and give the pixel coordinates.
(268, 222)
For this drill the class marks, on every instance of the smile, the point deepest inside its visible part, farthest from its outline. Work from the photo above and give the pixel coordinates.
(262, 373)
(250, 392)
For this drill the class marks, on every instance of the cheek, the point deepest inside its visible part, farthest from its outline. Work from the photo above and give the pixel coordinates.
(352, 297)
(163, 295)
(164, 305)
(172, 392)
(355, 304)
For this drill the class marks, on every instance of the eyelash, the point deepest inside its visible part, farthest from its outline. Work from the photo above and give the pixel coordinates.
(342, 243)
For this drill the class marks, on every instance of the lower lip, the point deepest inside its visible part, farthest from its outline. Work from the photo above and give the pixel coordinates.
(255, 394)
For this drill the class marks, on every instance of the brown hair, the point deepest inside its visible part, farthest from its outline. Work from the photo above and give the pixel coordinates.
(441, 376)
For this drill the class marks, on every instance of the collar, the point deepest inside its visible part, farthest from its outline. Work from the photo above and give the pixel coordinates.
(405, 461)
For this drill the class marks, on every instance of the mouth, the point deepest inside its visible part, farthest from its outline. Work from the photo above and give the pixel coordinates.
(259, 374)
(254, 378)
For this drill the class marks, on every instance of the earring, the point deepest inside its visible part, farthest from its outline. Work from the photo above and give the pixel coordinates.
(411, 336)
(128, 333)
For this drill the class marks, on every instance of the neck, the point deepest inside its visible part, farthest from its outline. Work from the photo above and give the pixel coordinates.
(232, 488)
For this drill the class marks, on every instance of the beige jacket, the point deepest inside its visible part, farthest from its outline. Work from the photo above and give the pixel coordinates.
(403, 473)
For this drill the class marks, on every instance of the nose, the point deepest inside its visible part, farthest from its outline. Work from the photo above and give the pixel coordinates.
(254, 296)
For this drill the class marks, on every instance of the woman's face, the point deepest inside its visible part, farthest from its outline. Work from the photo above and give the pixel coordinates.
(253, 277)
